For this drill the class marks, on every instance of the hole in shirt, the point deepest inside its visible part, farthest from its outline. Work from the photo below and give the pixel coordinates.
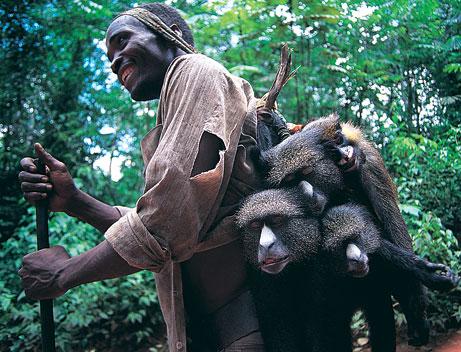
(208, 153)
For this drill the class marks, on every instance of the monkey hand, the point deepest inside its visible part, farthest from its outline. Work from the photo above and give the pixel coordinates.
(42, 273)
(57, 185)
(439, 277)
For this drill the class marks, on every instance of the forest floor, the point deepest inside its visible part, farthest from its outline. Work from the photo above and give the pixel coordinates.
(448, 342)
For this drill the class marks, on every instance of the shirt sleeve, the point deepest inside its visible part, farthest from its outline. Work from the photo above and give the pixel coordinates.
(198, 96)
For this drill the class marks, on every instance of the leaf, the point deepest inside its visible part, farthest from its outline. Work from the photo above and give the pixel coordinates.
(454, 43)
(240, 70)
(410, 209)
(451, 68)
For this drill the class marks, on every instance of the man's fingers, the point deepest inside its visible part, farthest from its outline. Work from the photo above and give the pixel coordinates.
(48, 159)
(28, 164)
(33, 197)
(36, 187)
(33, 178)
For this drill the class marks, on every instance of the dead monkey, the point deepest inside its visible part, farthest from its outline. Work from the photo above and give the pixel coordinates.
(341, 165)
(309, 282)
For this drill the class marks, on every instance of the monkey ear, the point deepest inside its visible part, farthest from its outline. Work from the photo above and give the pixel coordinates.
(314, 200)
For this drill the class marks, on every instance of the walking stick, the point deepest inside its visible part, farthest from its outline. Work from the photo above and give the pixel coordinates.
(46, 305)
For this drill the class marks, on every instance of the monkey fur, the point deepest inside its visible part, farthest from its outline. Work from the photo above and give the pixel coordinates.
(277, 233)
(342, 166)
(304, 303)
(308, 284)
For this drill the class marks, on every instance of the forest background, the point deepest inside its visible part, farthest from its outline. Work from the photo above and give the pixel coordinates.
(391, 67)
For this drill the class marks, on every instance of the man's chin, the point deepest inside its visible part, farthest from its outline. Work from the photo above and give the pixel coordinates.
(143, 96)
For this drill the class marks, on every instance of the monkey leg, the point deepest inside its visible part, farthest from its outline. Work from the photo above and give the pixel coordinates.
(380, 317)
(435, 276)
(409, 292)
(412, 296)
(276, 313)
(331, 315)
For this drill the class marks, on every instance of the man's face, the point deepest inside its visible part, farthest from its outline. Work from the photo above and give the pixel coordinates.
(139, 57)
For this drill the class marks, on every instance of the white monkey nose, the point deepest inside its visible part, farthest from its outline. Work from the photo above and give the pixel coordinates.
(353, 252)
(267, 237)
(306, 187)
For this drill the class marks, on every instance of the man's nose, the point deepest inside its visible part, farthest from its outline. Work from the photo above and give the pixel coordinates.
(116, 62)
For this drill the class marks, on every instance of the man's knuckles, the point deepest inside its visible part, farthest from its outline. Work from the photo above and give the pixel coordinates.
(25, 176)
(36, 187)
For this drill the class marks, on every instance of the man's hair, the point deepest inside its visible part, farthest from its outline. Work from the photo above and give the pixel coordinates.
(170, 16)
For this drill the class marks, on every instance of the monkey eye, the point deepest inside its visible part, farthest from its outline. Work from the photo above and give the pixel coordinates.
(339, 138)
(277, 220)
(255, 225)
(307, 170)
(289, 178)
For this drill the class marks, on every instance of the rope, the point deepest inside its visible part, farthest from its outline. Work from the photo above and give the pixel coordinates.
(157, 25)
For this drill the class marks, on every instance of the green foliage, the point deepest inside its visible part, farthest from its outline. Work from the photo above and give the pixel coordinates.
(392, 67)
(429, 184)
(428, 173)
(113, 313)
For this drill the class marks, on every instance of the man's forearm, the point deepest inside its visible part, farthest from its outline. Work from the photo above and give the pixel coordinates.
(99, 263)
(92, 211)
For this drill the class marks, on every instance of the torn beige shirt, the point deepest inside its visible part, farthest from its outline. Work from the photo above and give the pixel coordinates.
(179, 215)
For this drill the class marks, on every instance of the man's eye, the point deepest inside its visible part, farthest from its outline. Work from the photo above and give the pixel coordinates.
(122, 41)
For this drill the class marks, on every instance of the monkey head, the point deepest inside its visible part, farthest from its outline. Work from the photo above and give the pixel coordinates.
(303, 156)
(349, 236)
(276, 230)
(341, 141)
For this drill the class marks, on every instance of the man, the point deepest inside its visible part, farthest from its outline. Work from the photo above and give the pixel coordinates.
(196, 172)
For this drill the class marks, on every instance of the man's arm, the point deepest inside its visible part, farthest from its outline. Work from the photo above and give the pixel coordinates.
(62, 194)
(50, 272)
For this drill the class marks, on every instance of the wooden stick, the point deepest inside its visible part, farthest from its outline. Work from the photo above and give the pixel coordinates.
(46, 305)
(281, 78)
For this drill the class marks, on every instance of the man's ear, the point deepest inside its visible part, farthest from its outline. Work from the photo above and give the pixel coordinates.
(176, 29)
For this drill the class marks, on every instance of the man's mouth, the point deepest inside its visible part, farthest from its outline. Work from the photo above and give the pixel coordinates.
(125, 73)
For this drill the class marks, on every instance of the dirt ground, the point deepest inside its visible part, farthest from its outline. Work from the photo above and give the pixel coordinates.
(450, 342)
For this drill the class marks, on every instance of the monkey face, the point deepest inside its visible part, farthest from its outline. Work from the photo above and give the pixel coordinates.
(340, 140)
(357, 261)
(273, 255)
(347, 255)
(276, 230)
(349, 236)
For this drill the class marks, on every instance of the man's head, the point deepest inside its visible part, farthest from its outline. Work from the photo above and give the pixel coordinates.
(139, 55)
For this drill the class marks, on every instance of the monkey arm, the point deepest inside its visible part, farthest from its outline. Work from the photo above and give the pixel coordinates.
(435, 276)
(382, 195)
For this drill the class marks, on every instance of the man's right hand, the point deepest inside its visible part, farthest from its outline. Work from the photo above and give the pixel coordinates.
(57, 185)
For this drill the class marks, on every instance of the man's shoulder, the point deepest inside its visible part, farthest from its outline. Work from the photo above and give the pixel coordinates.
(198, 65)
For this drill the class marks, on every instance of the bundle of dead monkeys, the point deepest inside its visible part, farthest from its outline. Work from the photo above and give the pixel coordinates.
(325, 238)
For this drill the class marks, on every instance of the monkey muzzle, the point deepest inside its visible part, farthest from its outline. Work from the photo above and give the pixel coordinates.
(349, 161)
(357, 261)
(274, 265)
(273, 256)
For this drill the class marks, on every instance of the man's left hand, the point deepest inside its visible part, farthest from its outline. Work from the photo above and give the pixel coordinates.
(42, 273)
